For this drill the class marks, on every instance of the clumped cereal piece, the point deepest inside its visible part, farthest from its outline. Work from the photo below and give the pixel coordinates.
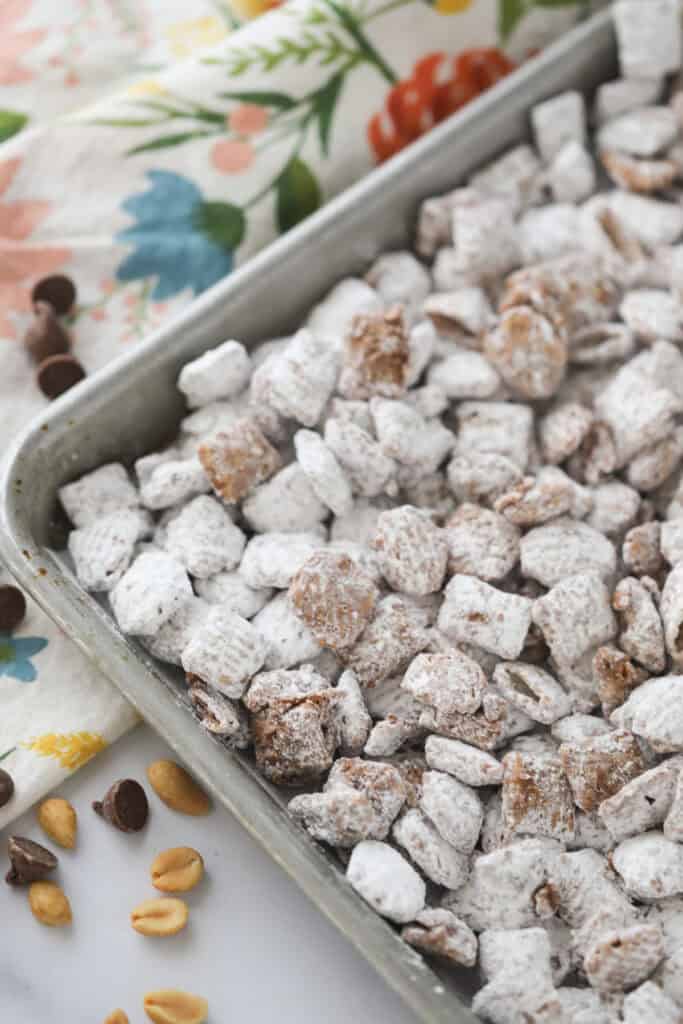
(171, 639)
(549, 231)
(599, 766)
(484, 235)
(648, 1002)
(391, 639)
(412, 551)
(284, 504)
(220, 373)
(238, 459)
(461, 310)
(502, 428)
(574, 617)
(518, 966)
(624, 957)
(221, 716)
(466, 763)
(324, 473)
(149, 592)
(474, 612)
(353, 720)
(334, 597)
(289, 640)
(558, 550)
(563, 429)
(643, 803)
(368, 468)
(535, 500)
(655, 711)
(440, 933)
(224, 651)
(449, 685)
(438, 860)
(528, 352)
(649, 43)
(399, 278)
(465, 375)
(273, 559)
(97, 494)
(386, 881)
(102, 551)
(292, 719)
(229, 588)
(616, 676)
(578, 727)
(203, 538)
(481, 543)
(641, 631)
(172, 482)
(537, 799)
(404, 434)
(650, 866)
(557, 121)
(301, 378)
(641, 551)
(349, 298)
(652, 222)
(533, 690)
(481, 476)
(455, 810)
(376, 357)
(644, 132)
(638, 175)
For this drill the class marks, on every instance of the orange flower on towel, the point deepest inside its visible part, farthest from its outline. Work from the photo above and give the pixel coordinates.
(437, 87)
(21, 264)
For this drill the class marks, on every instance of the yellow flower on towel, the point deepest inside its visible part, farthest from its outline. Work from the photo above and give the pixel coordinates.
(452, 6)
(71, 749)
(248, 9)
(187, 36)
(146, 87)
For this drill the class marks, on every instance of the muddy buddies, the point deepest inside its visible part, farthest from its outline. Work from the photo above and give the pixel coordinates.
(424, 559)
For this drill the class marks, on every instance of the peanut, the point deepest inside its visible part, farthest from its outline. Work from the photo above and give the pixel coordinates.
(117, 1017)
(177, 789)
(57, 818)
(49, 904)
(159, 917)
(177, 870)
(171, 1006)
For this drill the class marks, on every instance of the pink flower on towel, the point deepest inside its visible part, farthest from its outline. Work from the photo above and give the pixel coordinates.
(21, 265)
(13, 44)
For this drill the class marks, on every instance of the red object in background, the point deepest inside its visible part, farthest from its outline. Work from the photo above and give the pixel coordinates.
(438, 86)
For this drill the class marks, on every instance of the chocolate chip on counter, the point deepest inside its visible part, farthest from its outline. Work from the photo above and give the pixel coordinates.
(12, 607)
(124, 806)
(57, 374)
(46, 337)
(58, 290)
(30, 861)
(6, 787)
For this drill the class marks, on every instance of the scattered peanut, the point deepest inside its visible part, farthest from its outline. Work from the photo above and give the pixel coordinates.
(57, 818)
(117, 1017)
(177, 870)
(49, 904)
(177, 789)
(171, 1006)
(159, 916)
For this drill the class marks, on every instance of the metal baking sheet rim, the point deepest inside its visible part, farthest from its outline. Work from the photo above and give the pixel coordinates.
(233, 781)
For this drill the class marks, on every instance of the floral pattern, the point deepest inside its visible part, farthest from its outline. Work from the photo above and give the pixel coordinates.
(72, 750)
(14, 43)
(16, 654)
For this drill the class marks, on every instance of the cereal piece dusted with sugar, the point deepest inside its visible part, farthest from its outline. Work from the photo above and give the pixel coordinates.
(578, 727)
(616, 676)
(466, 763)
(203, 538)
(149, 592)
(359, 801)
(440, 933)
(460, 311)
(562, 431)
(221, 716)
(353, 719)
(638, 175)
(225, 651)
(672, 613)
(102, 551)
(485, 236)
(641, 634)
(549, 231)
(386, 881)
(535, 500)
(533, 690)
(481, 476)
(399, 278)
(481, 543)
(673, 823)
(644, 132)
(537, 800)
(302, 378)
(571, 174)
(643, 803)
(528, 351)
(517, 966)
(351, 297)
(512, 175)
(563, 548)
(328, 480)
(450, 684)
(598, 767)
(648, 1002)
(171, 639)
(615, 508)
(220, 373)
(557, 121)
(654, 711)
(465, 375)
(412, 551)
(273, 559)
(392, 638)
(575, 616)
(650, 866)
(334, 597)
(624, 957)
(95, 495)
(290, 641)
(172, 482)
(238, 459)
(474, 612)
(641, 552)
(672, 541)
(652, 314)
(437, 859)
(376, 357)
(406, 436)
(366, 465)
(286, 504)
(600, 344)
(623, 94)
(503, 428)
(230, 588)
(454, 809)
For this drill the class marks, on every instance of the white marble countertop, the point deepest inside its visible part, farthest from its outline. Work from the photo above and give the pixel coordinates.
(254, 946)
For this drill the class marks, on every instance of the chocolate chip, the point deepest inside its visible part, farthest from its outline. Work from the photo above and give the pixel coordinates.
(46, 336)
(12, 607)
(58, 290)
(6, 787)
(30, 861)
(124, 805)
(57, 374)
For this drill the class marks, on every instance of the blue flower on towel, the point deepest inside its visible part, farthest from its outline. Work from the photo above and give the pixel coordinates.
(16, 654)
(182, 239)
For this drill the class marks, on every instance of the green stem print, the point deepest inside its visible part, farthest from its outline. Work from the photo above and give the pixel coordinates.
(511, 12)
(7, 753)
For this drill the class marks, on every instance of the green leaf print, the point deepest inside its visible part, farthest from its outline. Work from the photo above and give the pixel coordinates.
(11, 122)
(166, 141)
(323, 106)
(510, 13)
(222, 223)
(298, 194)
(262, 98)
